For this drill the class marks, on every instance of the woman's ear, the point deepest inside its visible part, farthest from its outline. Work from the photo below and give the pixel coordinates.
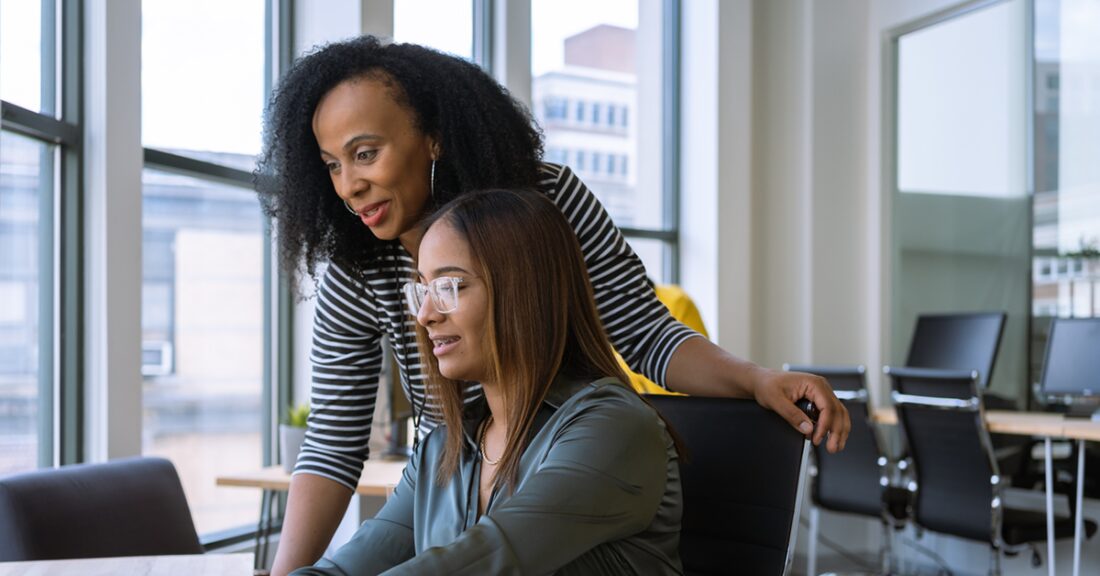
(433, 145)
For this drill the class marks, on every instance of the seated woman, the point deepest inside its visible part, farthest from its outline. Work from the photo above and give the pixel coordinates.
(559, 467)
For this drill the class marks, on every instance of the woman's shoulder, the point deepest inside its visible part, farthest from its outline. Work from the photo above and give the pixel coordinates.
(611, 395)
(557, 179)
(608, 409)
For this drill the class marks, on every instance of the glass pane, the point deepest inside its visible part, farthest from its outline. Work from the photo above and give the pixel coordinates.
(960, 220)
(652, 253)
(203, 99)
(1066, 209)
(961, 103)
(202, 338)
(449, 29)
(601, 113)
(23, 51)
(25, 169)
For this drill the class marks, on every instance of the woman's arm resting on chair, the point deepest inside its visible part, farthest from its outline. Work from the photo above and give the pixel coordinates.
(700, 367)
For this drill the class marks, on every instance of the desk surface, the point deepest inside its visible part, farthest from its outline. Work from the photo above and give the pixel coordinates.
(1021, 423)
(379, 478)
(207, 564)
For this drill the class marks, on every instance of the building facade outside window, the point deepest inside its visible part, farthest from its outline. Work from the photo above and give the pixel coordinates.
(591, 60)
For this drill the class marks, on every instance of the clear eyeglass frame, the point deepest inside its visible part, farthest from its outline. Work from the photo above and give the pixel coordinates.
(443, 292)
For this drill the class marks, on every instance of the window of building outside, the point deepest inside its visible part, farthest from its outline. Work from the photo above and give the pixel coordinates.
(450, 28)
(1066, 203)
(27, 190)
(203, 280)
(586, 54)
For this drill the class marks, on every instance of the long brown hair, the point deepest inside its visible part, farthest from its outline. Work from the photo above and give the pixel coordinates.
(542, 317)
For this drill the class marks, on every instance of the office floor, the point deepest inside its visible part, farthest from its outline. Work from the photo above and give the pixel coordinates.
(859, 540)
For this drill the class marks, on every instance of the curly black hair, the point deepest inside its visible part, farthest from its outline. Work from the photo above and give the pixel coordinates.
(486, 139)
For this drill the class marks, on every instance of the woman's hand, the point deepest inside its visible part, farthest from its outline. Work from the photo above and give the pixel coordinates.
(778, 391)
(701, 368)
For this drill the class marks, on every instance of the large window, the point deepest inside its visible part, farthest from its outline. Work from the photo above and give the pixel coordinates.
(605, 115)
(449, 29)
(25, 180)
(37, 138)
(1066, 208)
(203, 273)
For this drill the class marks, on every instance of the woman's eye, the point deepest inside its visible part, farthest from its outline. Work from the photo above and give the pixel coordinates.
(332, 166)
(365, 155)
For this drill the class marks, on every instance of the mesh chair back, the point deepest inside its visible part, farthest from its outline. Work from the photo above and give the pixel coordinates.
(850, 480)
(941, 413)
(741, 481)
(130, 507)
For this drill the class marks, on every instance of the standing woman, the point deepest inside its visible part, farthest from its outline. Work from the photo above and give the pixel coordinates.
(363, 139)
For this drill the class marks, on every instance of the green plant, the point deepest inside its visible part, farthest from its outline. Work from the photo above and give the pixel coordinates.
(1088, 249)
(296, 416)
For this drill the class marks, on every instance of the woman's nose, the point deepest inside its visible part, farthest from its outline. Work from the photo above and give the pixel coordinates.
(427, 313)
(350, 184)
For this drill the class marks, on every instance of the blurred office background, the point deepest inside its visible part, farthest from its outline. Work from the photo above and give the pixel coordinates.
(815, 174)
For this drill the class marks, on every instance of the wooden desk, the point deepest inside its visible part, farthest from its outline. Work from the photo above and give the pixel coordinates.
(379, 478)
(207, 564)
(1003, 422)
(1048, 425)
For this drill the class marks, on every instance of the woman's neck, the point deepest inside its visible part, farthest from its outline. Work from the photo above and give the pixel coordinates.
(495, 400)
(411, 241)
(495, 435)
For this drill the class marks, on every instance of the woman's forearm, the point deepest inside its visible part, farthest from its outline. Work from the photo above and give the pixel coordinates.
(313, 512)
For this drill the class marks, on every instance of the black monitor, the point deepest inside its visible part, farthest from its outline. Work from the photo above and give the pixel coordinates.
(961, 341)
(1071, 366)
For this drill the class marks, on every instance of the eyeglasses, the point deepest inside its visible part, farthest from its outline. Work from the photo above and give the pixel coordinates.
(443, 290)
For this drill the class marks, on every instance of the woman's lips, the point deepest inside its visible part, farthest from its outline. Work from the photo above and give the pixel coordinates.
(444, 344)
(373, 214)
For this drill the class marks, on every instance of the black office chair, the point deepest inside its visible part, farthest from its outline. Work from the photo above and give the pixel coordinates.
(742, 484)
(957, 341)
(958, 487)
(856, 479)
(970, 341)
(129, 507)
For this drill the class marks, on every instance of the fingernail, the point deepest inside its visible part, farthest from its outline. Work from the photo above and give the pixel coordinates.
(806, 427)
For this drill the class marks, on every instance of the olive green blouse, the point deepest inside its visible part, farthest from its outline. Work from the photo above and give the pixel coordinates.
(598, 492)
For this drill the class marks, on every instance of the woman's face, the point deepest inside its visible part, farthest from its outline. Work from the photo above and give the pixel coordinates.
(379, 162)
(457, 337)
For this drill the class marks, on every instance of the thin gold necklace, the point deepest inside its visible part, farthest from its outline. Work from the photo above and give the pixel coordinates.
(481, 443)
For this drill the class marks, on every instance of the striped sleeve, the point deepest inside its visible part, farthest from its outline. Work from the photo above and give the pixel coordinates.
(347, 359)
(639, 326)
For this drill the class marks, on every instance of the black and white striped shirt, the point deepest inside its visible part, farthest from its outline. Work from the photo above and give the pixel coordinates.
(352, 317)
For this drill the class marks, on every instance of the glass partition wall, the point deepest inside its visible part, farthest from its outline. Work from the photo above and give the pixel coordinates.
(1065, 269)
(994, 187)
(960, 200)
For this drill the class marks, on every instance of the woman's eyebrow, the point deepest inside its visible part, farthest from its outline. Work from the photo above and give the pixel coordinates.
(444, 270)
(351, 143)
(360, 138)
